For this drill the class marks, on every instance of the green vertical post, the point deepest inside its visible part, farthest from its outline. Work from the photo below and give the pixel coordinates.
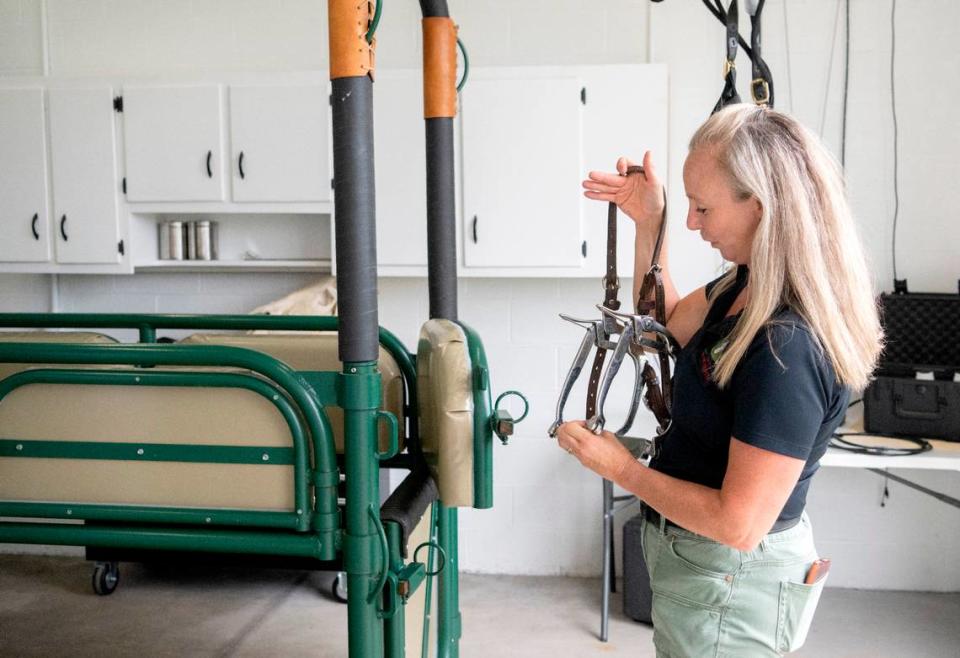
(449, 624)
(364, 556)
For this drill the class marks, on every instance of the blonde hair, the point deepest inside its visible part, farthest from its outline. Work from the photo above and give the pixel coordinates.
(806, 253)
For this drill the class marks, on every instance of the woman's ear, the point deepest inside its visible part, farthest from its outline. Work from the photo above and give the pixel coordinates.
(758, 209)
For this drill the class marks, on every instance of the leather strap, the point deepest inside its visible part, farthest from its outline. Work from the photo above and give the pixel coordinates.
(595, 371)
(651, 300)
(439, 67)
(611, 288)
(350, 54)
(729, 95)
(761, 87)
(611, 282)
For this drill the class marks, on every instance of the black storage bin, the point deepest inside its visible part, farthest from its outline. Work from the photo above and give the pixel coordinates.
(923, 336)
(637, 595)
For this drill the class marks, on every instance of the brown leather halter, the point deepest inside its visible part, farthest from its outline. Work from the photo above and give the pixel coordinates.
(637, 334)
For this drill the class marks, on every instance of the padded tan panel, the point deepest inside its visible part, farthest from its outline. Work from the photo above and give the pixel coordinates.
(207, 416)
(319, 352)
(445, 398)
(151, 415)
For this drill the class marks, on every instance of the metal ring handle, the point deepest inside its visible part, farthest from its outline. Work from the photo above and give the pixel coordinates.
(474, 229)
(526, 403)
(443, 555)
(240, 164)
(63, 228)
(33, 226)
(209, 168)
(384, 550)
(394, 448)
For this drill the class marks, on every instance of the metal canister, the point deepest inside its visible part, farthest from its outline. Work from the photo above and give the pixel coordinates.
(176, 240)
(163, 240)
(202, 241)
(190, 233)
(214, 240)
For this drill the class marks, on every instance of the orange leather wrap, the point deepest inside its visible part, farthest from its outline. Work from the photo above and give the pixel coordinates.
(439, 68)
(350, 54)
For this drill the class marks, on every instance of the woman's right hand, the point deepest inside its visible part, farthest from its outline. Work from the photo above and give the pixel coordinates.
(640, 196)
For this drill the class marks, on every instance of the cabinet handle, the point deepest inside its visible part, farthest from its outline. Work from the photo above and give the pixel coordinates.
(474, 229)
(242, 175)
(33, 226)
(63, 228)
(209, 169)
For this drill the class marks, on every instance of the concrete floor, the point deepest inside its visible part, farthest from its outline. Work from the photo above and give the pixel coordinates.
(48, 609)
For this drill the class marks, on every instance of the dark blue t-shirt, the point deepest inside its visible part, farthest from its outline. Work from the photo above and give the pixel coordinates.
(783, 397)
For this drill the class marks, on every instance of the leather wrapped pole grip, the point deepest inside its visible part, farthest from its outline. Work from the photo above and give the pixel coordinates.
(439, 68)
(350, 54)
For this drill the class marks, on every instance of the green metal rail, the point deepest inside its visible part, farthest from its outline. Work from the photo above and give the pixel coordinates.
(315, 529)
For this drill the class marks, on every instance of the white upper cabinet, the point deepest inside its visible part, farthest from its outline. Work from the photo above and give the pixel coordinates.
(279, 143)
(24, 225)
(84, 175)
(400, 169)
(522, 169)
(625, 114)
(173, 143)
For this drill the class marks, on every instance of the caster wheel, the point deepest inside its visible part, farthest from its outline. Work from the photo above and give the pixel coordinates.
(339, 587)
(106, 576)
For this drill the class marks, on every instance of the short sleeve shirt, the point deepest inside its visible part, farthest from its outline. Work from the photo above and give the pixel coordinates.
(784, 397)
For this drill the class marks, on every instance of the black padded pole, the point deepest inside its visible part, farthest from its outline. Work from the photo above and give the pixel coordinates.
(441, 202)
(434, 8)
(352, 101)
(441, 219)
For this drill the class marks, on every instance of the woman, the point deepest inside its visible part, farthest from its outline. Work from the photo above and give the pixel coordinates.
(771, 352)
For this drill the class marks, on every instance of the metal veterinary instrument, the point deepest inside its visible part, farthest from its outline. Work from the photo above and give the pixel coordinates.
(639, 336)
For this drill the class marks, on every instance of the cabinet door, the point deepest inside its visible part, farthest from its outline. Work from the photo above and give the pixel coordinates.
(279, 143)
(24, 228)
(625, 114)
(400, 167)
(521, 172)
(84, 175)
(172, 143)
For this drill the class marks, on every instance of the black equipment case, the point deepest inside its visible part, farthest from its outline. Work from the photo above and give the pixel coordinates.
(922, 337)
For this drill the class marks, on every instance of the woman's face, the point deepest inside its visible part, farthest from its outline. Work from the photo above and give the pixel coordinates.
(725, 221)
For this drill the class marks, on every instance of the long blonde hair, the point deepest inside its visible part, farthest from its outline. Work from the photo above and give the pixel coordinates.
(806, 253)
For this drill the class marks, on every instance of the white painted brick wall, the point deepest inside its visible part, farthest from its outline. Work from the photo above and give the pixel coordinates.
(546, 518)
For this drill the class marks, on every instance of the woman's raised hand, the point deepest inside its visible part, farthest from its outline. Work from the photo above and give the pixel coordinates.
(640, 196)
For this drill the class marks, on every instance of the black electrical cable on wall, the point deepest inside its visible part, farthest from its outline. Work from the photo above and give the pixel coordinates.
(846, 84)
(893, 106)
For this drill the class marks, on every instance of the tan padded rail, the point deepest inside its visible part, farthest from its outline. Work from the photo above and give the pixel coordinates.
(350, 54)
(319, 352)
(439, 68)
(445, 398)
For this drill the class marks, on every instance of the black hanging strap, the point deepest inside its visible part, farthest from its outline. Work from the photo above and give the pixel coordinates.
(729, 95)
(761, 87)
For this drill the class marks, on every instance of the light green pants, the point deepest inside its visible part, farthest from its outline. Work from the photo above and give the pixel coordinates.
(712, 601)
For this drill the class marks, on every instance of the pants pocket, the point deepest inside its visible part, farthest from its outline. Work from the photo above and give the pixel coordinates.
(798, 602)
